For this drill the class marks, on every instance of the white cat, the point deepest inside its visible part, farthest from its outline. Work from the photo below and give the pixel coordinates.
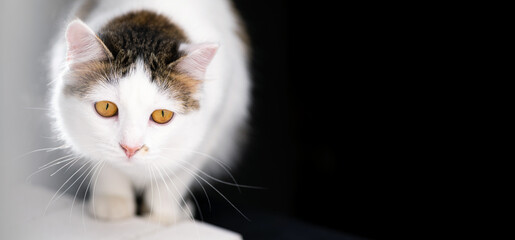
(150, 93)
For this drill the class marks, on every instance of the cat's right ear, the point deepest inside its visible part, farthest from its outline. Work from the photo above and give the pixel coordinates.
(83, 45)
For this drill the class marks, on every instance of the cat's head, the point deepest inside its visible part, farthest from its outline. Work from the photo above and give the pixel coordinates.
(128, 95)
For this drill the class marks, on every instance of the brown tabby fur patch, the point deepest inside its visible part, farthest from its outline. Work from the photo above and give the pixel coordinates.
(142, 35)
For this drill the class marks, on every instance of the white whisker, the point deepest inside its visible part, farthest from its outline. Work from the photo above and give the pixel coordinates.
(39, 150)
(158, 191)
(80, 185)
(38, 108)
(69, 155)
(53, 197)
(147, 166)
(87, 191)
(94, 187)
(201, 154)
(47, 167)
(188, 189)
(73, 161)
(224, 166)
(201, 186)
(178, 192)
(214, 188)
(218, 180)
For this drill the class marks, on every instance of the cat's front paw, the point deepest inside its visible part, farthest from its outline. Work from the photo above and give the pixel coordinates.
(167, 218)
(112, 207)
(171, 214)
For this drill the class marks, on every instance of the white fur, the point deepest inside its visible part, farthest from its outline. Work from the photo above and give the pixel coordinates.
(185, 141)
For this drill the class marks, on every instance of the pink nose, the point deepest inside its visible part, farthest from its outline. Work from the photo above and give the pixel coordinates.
(130, 151)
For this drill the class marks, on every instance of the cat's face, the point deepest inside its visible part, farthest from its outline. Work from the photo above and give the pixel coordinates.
(114, 120)
(130, 113)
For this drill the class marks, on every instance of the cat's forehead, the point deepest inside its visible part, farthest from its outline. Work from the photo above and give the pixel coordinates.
(135, 90)
(136, 87)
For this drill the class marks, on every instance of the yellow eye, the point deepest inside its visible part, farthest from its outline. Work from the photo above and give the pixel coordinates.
(106, 108)
(162, 116)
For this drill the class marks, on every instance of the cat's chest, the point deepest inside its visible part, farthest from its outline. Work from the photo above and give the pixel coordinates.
(139, 176)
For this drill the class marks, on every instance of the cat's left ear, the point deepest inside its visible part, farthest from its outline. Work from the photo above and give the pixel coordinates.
(196, 60)
(83, 44)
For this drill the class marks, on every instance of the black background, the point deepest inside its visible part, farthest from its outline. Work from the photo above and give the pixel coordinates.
(308, 145)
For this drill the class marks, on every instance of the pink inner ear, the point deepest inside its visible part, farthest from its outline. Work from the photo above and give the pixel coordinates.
(82, 44)
(197, 59)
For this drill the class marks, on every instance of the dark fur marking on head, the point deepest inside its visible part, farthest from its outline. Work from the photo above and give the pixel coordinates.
(139, 35)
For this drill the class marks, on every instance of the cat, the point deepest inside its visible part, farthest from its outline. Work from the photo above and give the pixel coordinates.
(151, 94)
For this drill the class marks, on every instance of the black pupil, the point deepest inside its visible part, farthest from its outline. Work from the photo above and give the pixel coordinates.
(107, 105)
(163, 113)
